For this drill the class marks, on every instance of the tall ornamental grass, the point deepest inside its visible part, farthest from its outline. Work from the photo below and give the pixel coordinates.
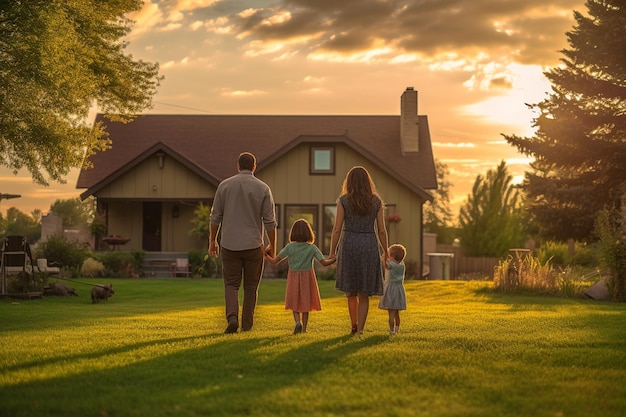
(529, 273)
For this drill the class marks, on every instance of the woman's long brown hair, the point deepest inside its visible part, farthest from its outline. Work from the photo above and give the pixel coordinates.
(360, 189)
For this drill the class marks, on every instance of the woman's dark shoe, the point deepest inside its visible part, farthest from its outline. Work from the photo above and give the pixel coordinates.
(354, 328)
(298, 328)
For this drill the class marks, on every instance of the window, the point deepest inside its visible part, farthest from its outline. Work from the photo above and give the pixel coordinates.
(277, 214)
(295, 212)
(328, 221)
(391, 216)
(322, 160)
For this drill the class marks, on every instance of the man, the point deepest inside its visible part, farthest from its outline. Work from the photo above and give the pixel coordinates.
(243, 209)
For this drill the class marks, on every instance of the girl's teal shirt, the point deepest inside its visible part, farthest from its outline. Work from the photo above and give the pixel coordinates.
(300, 255)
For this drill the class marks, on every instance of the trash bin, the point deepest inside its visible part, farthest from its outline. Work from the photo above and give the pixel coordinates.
(440, 264)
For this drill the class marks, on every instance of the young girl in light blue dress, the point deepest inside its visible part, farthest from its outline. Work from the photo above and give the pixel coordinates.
(394, 296)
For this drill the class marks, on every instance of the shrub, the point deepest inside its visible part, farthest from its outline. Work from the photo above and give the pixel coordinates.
(558, 254)
(328, 274)
(613, 252)
(36, 282)
(199, 265)
(204, 265)
(555, 252)
(69, 254)
(92, 268)
(138, 256)
(584, 256)
(119, 264)
(570, 282)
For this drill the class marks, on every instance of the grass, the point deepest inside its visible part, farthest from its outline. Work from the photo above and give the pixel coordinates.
(157, 348)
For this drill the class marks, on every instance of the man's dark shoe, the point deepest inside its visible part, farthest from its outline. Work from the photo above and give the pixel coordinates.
(232, 327)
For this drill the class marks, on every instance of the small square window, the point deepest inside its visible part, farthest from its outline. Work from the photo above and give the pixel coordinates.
(322, 160)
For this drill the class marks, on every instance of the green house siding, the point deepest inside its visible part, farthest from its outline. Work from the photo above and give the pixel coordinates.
(148, 180)
(174, 186)
(292, 184)
(178, 190)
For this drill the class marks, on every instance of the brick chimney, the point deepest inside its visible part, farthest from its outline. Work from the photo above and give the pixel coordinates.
(409, 127)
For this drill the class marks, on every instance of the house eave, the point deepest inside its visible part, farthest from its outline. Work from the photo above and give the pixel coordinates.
(157, 147)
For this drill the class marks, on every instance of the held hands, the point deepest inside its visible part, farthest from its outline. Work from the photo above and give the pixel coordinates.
(272, 259)
(328, 261)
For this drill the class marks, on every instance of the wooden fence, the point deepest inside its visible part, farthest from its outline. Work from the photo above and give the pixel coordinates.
(465, 266)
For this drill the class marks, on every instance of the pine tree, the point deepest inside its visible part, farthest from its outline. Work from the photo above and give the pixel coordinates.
(490, 220)
(580, 142)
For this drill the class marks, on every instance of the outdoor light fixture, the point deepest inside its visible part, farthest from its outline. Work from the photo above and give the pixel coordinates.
(160, 156)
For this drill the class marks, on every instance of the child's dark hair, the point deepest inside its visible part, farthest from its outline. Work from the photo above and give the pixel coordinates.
(397, 252)
(301, 231)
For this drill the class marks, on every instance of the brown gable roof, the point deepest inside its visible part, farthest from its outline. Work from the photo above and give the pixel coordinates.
(211, 144)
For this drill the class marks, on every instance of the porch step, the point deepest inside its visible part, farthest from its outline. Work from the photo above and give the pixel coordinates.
(159, 264)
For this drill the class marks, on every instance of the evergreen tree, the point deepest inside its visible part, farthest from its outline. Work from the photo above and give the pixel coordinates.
(58, 59)
(580, 142)
(490, 221)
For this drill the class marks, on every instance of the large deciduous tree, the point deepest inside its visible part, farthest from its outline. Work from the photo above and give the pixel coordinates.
(490, 221)
(21, 224)
(73, 211)
(580, 142)
(59, 59)
(437, 214)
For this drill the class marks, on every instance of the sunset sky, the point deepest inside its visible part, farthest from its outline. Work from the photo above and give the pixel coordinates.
(474, 64)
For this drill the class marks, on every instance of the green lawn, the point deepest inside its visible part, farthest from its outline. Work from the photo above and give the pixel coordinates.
(157, 348)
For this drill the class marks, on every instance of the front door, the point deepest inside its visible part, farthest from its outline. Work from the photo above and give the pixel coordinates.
(152, 226)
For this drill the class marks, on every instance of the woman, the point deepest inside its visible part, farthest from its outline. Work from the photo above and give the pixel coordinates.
(358, 239)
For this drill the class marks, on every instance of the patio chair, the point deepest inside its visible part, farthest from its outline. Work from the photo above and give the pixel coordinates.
(17, 260)
(181, 266)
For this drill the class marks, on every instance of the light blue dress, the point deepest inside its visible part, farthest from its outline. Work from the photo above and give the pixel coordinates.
(394, 296)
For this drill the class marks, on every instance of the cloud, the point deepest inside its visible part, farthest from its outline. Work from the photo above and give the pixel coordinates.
(184, 5)
(480, 39)
(146, 19)
(454, 145)
(526, 32)
(12, 178)
(477, 43)
(242, 93)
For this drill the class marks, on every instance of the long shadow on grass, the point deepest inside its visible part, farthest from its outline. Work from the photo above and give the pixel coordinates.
(224, 376)
(600, 323)
(61, 360)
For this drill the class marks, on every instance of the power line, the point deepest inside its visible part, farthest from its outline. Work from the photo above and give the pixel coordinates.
(183, 107)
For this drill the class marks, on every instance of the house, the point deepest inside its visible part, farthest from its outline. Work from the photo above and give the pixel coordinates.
(160, 167)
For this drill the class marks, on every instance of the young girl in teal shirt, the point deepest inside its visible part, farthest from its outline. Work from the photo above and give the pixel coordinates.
(302, 294)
